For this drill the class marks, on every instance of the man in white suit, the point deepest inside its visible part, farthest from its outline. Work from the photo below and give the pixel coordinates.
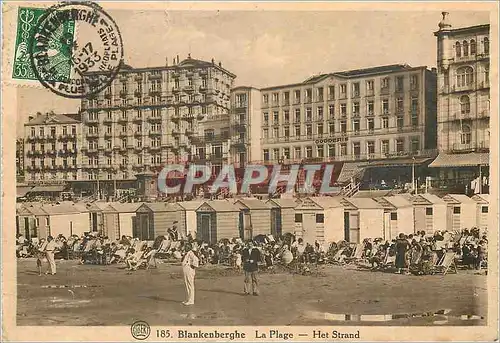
(189, 264)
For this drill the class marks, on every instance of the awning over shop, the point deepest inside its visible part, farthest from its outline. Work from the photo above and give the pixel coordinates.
(461, 160)
(22, 190)
(349, 170)
(40, 189)
(403, 162)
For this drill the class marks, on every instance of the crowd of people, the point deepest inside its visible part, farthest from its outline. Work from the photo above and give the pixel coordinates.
(413, 253)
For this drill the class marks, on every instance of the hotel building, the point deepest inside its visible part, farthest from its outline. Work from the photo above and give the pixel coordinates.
(359, 115)
(51, 143)
(463, 61)
(246, 125)
(150, 117)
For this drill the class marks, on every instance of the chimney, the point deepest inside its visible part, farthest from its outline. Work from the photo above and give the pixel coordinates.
(434, 70)
(38, 114)
(166, 61)
(173, 61)
(30, 118)
(189, 56)
(177, 59)
(444, 24)
(213, 61)
(220, 64)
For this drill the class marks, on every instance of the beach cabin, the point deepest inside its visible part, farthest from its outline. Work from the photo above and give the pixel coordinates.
(188, 215)
(461, 212)
(65, 219)
(482, 209)
(317, 219)
(32, 221)
(96, 215)
(398, 216)
(119, 219)
(154, 219)
(254, 217)
(363, 218)
(429, 212)
(216, 220)
(282, 215)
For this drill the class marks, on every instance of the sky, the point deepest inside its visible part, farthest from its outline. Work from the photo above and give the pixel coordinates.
(267, 48)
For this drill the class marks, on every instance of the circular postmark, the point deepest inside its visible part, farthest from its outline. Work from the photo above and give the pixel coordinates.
(76, 49)
(140, 330)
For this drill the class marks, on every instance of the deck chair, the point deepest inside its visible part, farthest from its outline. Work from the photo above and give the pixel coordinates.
(446, 263)
(164, 248)
(389, 261)
(337, 258)
(357, 253)
(148, 260)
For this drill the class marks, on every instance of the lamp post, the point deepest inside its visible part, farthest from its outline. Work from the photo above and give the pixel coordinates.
(413, 175)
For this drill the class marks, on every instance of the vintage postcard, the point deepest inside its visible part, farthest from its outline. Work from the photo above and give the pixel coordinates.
(249, 171)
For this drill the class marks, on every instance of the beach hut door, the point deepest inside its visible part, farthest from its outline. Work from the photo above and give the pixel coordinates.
(354, 228)
(346, 226)
(309, 227)
(206, 227)
(27, 227)
(276, 222)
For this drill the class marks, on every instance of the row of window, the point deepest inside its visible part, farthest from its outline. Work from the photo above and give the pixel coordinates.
(355, 126)
(342, 91)
(155, 100)
(330, 151)
(53, 146)
(125, 160)
(370, 109)
(465, 47)
(52, 176)
(52, 162)
(465, 76)
(53, 131)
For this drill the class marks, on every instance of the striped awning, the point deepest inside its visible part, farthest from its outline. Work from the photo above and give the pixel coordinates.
(402, 162)
(41, 189)
(461, 160)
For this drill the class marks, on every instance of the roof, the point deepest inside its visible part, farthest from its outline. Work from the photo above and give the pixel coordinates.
(254, 204)
(186, 63)
(398, 201)
(460, 30)
(55, 188)
(461, 160)
(81, 207)
(461, 198)
(33, 209)
(433, 199)
(221, 206)
(53, 118)
(364, 203)
(327, 202)
(97, 206)
(161, 206)
(190, 205)
(283, 203)
(124, 207)
(482, 197)
(374, 70)
(371, 193)
(351, 74)
(22, 190)
(60, 209)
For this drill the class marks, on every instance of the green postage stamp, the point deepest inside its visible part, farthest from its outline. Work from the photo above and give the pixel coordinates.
(27, 20)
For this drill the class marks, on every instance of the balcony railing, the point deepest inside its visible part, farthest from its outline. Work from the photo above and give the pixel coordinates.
(210, 139)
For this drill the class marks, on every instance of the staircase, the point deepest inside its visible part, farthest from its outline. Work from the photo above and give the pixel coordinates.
(350, 189)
